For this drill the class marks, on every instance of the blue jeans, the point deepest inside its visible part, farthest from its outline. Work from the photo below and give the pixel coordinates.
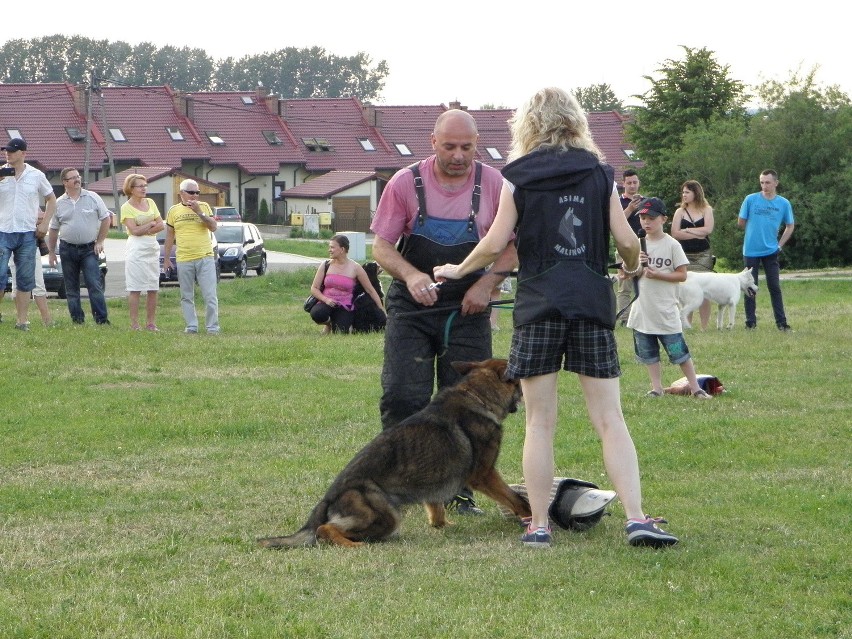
(23, 247)
(647, 348)
(77, 258)
(772, 271)
(202, 271)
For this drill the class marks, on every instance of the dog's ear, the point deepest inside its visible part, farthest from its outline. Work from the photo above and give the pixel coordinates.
(463, 368)
(499, 367)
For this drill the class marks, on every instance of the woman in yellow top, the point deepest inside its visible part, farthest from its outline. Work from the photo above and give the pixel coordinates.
(143, 221)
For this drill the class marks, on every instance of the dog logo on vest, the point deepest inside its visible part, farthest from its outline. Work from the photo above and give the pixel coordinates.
(567, 230)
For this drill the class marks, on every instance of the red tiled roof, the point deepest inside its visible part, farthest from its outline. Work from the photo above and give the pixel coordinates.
(340, 122)
(241, 127)
(41, 112)
(330, 184)
(142, 114)
(493, 126)
(607, 129)
(411, 126)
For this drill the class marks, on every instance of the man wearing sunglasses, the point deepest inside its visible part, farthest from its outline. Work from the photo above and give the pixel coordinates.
(189, 224)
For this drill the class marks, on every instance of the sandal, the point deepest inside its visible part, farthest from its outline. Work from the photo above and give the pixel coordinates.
(135, 327)
(702, 394)
(653, 393)
(153, 328)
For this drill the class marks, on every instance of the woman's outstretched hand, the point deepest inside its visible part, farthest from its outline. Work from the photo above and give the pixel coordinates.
(446, 272)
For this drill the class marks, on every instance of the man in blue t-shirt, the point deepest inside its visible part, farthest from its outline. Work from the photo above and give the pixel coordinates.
(761, 215)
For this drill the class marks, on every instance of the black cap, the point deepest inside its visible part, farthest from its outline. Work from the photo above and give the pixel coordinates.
(652, 206)
(15, 144)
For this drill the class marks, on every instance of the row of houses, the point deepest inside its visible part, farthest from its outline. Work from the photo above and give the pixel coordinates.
(249, 149)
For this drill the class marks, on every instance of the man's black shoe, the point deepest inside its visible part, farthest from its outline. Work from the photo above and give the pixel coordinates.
(464, 505)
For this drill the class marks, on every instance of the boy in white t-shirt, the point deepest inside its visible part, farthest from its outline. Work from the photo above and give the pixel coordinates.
(655, 315)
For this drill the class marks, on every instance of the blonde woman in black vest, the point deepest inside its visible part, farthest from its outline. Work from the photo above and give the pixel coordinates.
(561, 201)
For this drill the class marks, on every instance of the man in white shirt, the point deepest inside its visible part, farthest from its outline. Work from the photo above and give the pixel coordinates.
(22, 188)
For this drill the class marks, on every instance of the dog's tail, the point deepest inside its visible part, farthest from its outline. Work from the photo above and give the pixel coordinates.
(305, 536)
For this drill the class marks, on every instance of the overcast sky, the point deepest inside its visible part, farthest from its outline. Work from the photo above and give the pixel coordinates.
(477, 52)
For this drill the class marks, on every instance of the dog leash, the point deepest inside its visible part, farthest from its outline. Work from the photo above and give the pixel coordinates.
(630, 303)
(453, 313)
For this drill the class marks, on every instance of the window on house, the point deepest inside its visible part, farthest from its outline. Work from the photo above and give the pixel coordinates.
(277, 189)
(272, 137)
(366, 144)
(174, 133)
(117, 135)
(494, 153)
(317, 144)
(14, 133)
(227, 190)
(630, 153)
(215, 139)
(75, 134)
(247, 99)
(403, 149)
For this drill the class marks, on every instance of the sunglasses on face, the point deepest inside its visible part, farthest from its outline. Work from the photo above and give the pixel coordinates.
(193, 192)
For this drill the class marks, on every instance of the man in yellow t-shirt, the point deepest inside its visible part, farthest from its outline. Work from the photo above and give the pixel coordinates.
(189, 224)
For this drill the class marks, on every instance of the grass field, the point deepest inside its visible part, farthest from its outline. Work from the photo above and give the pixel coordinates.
(137, 469)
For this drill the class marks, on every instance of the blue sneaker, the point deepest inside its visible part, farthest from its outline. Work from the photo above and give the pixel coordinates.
(645, 532)
(536, 537)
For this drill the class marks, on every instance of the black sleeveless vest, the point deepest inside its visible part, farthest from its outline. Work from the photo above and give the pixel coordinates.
(562, 237)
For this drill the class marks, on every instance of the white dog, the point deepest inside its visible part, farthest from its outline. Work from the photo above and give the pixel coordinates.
(722, 288)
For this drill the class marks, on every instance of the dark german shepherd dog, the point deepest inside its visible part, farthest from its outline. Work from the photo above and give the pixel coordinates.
(451, 443)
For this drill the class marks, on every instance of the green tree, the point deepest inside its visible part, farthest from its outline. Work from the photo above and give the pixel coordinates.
(805, 133)
(693, 91)
(299, 73)
(598, 97)
(304, 73)
(56, 58)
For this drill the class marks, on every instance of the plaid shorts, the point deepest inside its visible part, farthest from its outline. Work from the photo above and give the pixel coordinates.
(588, 349)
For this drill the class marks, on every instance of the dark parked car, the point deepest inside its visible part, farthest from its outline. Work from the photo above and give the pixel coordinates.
(226, 214)
(171, 275)
(240, 248)
(54, 281)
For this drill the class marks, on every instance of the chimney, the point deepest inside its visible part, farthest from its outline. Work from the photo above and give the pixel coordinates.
(79, 98)
(179, 103)
(455, 104)
(271, 103)
(372, 116)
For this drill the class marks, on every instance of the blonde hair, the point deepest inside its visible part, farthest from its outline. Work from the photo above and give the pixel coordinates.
(128, 183)
(551, 119)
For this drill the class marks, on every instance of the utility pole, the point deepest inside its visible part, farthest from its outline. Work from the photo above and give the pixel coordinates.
(108, 138)
(92, 80)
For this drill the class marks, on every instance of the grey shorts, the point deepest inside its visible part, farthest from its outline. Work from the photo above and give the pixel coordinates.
(586, 348)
